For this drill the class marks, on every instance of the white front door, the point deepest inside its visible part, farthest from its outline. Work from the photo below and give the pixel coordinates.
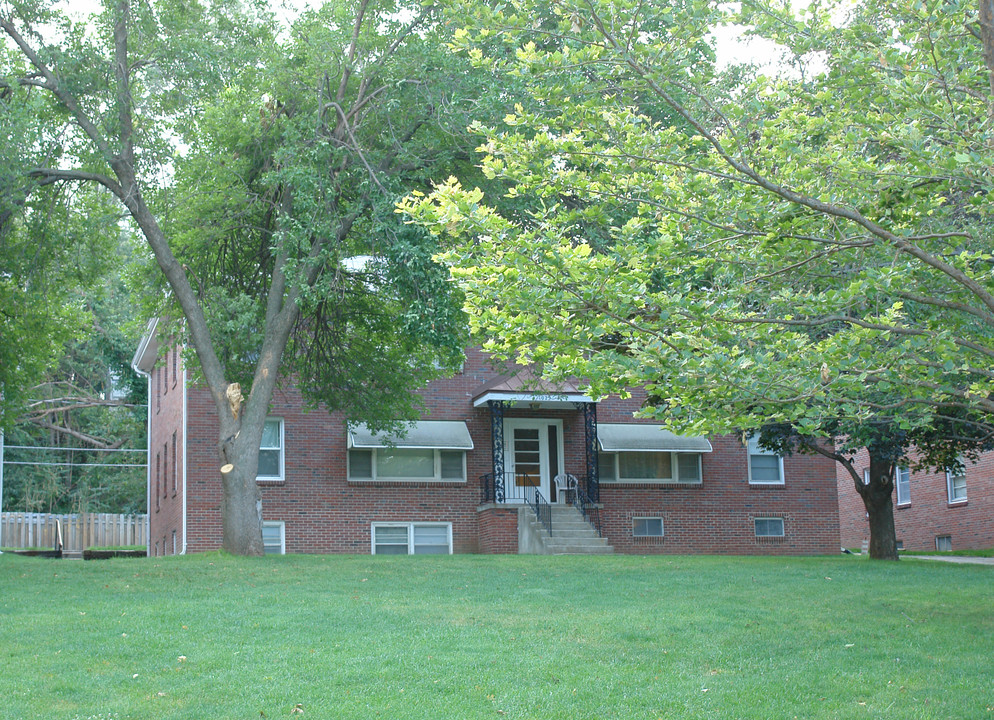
(533, 455)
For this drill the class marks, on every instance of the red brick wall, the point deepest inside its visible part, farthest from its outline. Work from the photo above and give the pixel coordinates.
(717, 515)
(969, 524)
(165, 496)
(498, 529)
(324, 512)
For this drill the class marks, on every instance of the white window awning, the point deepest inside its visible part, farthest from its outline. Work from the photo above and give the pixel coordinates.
(635, 437)
(434, 434)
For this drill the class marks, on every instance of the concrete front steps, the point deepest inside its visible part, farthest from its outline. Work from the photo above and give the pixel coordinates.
(571, 534)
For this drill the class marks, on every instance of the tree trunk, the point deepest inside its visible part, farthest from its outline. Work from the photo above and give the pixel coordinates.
(878, 500)
(241, 512)
(241, 506)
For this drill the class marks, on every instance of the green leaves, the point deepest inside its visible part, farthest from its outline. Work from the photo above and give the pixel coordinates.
(721, 238)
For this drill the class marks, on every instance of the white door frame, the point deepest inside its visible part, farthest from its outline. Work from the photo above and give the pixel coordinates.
(512, 493)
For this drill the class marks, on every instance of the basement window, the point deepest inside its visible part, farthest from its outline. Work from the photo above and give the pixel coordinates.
(644, 527)
(411, 538)
(769, 527)
(274, 538)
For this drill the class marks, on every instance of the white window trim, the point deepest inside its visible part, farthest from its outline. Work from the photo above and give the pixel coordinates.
(282, 526)
(662, 526)
(757, 520)
(752, 448)
(674, 478)
(949, 487)
(410, 533)
(435, 478)
(897, 486)
(282, 449)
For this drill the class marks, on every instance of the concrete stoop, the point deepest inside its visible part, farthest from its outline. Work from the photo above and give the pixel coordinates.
(571, 534)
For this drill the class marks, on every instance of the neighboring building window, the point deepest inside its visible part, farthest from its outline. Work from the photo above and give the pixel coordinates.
(944, 543)
(956, 485)
(175, 362)
(900, 544)
(271, 452)
(866, 476)
(410, 464)
(274, 538)
(165, 471)
(765, 466)
(769, 527)
(902, 480)
(647, 527)
(412, 538)
(639, 467)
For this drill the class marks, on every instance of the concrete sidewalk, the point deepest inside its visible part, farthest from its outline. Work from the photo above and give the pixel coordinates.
(964, 559)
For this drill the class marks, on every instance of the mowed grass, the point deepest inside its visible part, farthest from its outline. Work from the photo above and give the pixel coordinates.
(212, 636)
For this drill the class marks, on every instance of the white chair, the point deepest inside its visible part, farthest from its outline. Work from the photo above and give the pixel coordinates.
(565, 484)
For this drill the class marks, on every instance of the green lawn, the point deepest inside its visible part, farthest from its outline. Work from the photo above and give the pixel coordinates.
(212, 636)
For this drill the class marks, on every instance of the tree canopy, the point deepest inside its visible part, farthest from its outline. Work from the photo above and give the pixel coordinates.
(805, 247)
(261, 170)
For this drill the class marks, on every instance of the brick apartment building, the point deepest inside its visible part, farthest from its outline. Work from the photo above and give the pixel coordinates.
(932, 510)
(466, 477)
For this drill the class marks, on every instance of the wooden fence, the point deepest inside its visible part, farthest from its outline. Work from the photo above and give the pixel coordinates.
(72, 533)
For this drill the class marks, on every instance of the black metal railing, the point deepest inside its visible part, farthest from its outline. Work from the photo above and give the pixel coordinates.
(588, 509)
(543, 510)
(510, 487)
(491, 492)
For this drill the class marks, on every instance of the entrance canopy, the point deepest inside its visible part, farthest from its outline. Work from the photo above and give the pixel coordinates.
(636, 437)
(529, 390)
(435, 434)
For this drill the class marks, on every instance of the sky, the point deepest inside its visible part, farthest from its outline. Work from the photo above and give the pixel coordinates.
(730, 45)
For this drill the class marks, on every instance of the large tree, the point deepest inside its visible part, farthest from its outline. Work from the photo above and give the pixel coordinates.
(261, 172)
(803, 247)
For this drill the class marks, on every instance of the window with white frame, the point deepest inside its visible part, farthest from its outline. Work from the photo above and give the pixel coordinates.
(411, 538)
(956, 485)
(771, 527)
(902, 481)
(866, 476)
(407, 464)
(274, 537)
(644, 527)
(765, 466)
(649, 467)
(944, 543)
(271, 452)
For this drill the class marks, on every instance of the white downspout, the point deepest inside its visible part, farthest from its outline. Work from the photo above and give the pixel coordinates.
(1, 488)
(148, 454)
(186, 446)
